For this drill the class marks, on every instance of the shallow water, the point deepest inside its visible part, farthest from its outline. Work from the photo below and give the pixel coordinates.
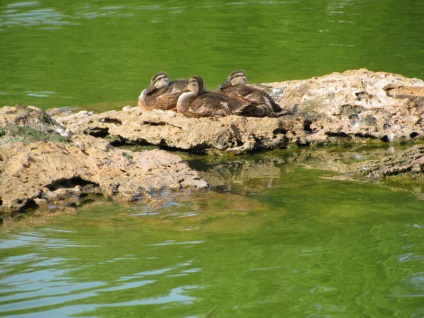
(277, 237)
(100, 54)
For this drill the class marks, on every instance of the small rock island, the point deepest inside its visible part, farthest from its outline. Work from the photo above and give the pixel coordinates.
(60, 157)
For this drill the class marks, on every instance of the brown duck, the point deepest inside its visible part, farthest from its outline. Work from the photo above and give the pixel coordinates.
(161, 93)
(236, 87)
(196, 101)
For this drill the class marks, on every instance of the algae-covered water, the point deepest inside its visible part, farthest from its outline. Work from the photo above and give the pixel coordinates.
(281, 234)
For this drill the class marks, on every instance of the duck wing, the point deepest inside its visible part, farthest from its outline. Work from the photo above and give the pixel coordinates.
(178, 86)
(252, 110)
(164, 98)
(252, 95)
(167, 101)
(211, 104)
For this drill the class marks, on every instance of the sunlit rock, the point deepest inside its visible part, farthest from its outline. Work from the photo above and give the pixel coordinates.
(45, 173)
(354, 106)
(230, 134)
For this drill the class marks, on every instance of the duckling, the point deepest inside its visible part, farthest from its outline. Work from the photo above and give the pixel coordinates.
(161, 93)
(236, 87)
(196, 101)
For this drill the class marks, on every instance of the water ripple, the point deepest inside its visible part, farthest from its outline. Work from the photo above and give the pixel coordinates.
(35, 17)
(171, 242)
(410, 257)
(22, 4)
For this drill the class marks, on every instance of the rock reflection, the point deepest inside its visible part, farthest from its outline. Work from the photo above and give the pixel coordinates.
(237, 184)
(249, 175)
(244, 176)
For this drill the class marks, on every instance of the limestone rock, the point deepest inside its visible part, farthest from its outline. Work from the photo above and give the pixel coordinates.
(344, 107)
(23, 115)
(47, 172)
(352, 106)
(410, 161)
(230, 134)
(341, 107)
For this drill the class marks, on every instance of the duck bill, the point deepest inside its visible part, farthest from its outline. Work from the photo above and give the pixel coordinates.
(149, 90)
(224, 85)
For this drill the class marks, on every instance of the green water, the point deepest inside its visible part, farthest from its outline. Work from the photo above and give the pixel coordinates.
(278, 238)
(100, 54)
(279, 234)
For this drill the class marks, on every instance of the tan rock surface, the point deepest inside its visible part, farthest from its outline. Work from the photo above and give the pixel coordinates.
(46, 172)
(409, 161)
(231, 134)
(354, 105)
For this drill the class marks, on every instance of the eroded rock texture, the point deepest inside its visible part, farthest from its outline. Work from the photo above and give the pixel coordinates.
(46, 172)
(231, 134)
(352, 106)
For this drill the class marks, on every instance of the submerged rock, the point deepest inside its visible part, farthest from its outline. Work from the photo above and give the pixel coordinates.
(409, 161)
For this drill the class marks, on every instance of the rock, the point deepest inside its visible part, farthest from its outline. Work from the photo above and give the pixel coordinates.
(42, 169)
(47, 172)
(23, 115)
(231, 134)
(409, 161)
(352, 106)
(30, 123)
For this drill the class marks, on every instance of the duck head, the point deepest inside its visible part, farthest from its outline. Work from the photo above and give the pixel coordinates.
(195, 85)
(158, 81)
(236, 78)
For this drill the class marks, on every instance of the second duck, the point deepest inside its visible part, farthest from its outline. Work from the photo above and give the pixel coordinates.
(196, 101)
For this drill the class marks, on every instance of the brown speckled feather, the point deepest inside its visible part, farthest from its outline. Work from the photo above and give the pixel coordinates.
(197, 102)
(237, 88)
(164, 98)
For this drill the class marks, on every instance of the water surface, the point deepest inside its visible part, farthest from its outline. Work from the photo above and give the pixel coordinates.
(100, 54)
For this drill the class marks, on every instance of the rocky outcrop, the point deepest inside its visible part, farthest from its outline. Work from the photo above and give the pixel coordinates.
(48, 166)
(24, 115)
(230, 134)
(49, 173)
(352, 106)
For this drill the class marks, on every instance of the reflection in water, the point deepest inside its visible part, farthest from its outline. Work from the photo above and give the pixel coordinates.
(239, 176)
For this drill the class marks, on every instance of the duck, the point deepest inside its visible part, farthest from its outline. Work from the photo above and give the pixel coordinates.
(236, 87)
(161, 93)
(196, 101)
